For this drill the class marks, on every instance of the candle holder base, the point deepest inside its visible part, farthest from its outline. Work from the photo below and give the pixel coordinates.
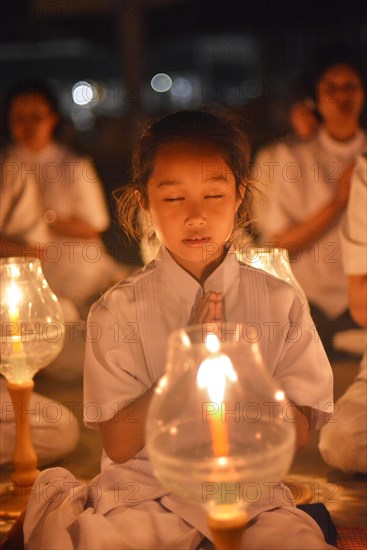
(13, 500)
(228, 530)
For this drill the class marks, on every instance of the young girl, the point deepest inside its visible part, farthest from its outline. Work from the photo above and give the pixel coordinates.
(190, 172)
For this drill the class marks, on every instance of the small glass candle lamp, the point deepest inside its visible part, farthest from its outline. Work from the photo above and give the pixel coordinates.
(274, 261)
(216, 423)
(32, 335)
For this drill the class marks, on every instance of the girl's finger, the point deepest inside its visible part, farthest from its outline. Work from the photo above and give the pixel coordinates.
(210, 312)
(219, 310)
(214, 311)
(205, 310)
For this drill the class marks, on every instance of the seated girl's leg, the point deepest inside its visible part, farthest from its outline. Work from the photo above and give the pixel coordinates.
(286, 528)
(65, 513)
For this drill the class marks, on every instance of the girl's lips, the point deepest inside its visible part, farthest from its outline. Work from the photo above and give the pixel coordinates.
(196, 241)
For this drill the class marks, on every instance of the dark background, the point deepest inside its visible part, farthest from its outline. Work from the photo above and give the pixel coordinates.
(253, 56)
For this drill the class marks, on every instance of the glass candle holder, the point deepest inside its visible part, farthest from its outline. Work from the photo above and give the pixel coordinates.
(32, 328)
(31, 336)
(217, 420)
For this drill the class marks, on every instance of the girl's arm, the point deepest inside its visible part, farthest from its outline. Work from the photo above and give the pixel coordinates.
(301, 418)
(124, 434)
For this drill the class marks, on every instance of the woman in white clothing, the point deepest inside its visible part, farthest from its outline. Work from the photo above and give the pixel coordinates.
(70, 196)
(190, 175)
(308, 187)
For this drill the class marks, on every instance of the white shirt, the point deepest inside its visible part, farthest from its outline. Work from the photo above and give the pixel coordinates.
(353, 231)
(302, 178)
(20, 209)
(68, 184)
(129, 327)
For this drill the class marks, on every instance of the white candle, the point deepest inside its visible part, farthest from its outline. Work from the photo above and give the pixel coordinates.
(212, 375)
(14, 296)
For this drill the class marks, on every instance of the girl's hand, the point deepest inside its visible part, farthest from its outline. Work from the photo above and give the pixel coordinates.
(208, 309)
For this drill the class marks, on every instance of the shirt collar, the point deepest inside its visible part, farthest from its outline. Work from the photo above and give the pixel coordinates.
(47, 153)
(343, 149)
(171, 273)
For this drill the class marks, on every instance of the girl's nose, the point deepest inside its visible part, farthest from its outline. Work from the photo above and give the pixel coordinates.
(195, 216)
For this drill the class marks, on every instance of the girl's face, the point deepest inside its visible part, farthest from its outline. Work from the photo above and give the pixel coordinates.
(32, 121)
(340, 95)
(192, 201)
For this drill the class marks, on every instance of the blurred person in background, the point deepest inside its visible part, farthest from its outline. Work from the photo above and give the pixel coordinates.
(307, 188)
(349, 425)
(21, 227)
(68, 193)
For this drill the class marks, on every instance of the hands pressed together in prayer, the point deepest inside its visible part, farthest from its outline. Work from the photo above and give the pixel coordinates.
(209, 309)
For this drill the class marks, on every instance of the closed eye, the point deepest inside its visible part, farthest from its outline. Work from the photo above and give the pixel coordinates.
(173, 199)
(214, 196)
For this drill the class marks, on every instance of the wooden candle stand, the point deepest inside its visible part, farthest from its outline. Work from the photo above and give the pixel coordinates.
(14, 498)
(228, 530)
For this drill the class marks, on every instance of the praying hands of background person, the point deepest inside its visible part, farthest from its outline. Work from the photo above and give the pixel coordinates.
(303, 118)
(70, 227)
(344, 183)
(308, 231)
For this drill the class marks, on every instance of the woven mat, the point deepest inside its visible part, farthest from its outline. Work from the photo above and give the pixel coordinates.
(352, 538)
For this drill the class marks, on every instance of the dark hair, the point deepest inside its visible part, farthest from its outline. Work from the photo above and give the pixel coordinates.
(223, 133)
(332, 57)
(319, 62)
(32, 87)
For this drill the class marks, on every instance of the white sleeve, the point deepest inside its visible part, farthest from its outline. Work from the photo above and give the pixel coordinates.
(20, 208)
(353, 232)
(273, 208)
(114, 367)
(303, 369)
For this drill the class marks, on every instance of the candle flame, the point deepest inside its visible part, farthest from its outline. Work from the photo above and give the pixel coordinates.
(15, 271)
(13, 296)
(212, 374)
